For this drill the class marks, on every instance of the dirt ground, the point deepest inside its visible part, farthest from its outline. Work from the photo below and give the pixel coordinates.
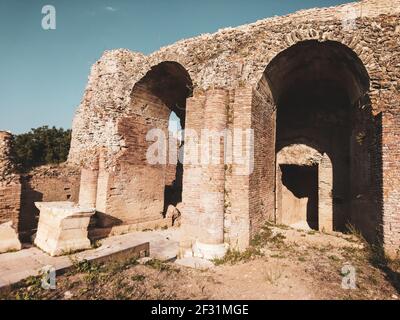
(282, 263)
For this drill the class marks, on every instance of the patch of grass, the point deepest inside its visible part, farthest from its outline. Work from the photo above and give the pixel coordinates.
(278, 256)
(272, 275)
(84, 266)
(234, 256)
(119, 266)
(160, 265)
(32, 287)
(138, 277)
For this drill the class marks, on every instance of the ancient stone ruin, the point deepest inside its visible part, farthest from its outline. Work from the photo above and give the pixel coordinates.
(307, 109)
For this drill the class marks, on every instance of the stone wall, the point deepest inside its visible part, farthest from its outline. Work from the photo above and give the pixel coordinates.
(235, 60)
(47, 183)
(231, 57)
(10, 186)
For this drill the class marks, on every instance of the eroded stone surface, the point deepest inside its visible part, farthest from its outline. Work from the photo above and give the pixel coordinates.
(335, 70)
(8, 238)
(63, 227)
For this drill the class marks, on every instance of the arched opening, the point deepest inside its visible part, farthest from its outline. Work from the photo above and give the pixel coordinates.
(174, 174)
(141, 188)
(303, 188)
(160, 97)
(319, 93)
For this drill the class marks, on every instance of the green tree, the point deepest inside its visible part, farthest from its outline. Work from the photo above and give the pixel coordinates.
(41, 146)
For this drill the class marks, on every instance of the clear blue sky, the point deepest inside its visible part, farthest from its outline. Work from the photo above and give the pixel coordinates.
(43, 73)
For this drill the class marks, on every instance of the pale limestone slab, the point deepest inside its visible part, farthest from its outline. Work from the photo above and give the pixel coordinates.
(63, 227)
(8, 238)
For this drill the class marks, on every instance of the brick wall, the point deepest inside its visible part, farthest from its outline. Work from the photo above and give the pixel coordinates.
(262, 180)
(49, 183)
(192, 170)
(391, 179)
(239, 222)
(10, 201)
(10, 186)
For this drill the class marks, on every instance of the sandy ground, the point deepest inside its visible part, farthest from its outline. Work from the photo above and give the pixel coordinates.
(284, 264)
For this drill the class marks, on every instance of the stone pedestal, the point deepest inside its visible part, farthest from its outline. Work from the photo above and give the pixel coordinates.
(63, 227)
(8, 238)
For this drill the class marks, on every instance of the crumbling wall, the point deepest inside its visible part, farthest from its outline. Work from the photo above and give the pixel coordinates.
(236, 58)
(232, 57)
(47, 183)
(10, 186)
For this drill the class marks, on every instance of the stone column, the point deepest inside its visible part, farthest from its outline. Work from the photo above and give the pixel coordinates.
(325, 189)
(88, 186)
(210, 242)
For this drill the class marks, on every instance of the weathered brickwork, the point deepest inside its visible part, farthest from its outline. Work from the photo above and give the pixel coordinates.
(10, 186)
(313, 77)
(48, 183)
(10, 202)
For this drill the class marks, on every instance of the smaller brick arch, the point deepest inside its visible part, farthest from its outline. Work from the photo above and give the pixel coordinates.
(308, 201)
(167, 81)
(133, 192)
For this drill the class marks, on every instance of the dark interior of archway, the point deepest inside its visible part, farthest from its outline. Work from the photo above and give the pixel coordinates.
(315, 87)
(169, 83)
(302, 181)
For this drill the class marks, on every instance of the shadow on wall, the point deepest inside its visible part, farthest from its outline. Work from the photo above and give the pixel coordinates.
(29, 215)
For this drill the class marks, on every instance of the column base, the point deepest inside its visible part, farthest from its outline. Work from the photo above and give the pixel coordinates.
(209, 251)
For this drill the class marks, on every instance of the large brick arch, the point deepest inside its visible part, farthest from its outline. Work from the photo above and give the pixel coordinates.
(225, 69)
(130, 190)
(309, 64)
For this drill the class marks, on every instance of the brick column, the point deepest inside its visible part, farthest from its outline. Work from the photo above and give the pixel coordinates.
(88, 185)
(240, 221)
(190, 224)
(391, 181)
(210, 242)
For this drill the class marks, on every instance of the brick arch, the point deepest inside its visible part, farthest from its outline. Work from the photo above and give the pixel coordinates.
(131, 192)
(364, 54)
(340, 72)
(345, 51)
(169, 82)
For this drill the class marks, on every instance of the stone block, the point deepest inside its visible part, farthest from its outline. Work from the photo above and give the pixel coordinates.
(8, 238)
(63, 227)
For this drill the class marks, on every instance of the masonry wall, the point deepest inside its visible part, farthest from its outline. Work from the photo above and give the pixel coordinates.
(365, 171)
(49, 183)
(234, 58)
(391, 178)
(10, 201)
(10, 186)
(262, 180)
